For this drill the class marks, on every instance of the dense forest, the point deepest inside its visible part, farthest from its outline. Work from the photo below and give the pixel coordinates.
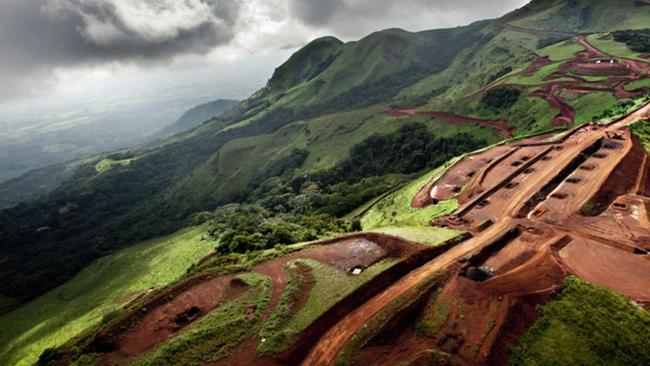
(500, 98)
(297, 207)
(637, 40)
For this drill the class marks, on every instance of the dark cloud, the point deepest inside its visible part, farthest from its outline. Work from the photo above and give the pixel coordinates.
(40, 36)
(348, 17)
(37, 36)
(316, 12)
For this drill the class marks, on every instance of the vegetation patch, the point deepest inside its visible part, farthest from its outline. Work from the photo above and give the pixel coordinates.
(500, 98)
(621, 109)
(586, 325)
(218, 332)
(433, 318)
(410, 149)
(330, 286)
(248, 228)
(642, 130)
(273, 336)
(637, 40)
(395, 209)
(103, 287)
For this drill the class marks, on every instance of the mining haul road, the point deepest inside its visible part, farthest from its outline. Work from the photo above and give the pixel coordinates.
(544, 195)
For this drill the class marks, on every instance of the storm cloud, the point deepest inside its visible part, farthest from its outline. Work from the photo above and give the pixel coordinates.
(350, 16)
(37, 36)
(40, 37)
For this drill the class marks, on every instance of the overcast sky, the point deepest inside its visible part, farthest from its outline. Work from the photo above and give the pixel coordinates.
(66, 47)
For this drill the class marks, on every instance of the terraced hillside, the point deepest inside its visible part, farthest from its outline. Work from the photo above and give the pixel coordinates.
(448, 196)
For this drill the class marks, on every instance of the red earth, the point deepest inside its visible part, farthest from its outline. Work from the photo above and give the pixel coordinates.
(532, 244)
(451, 118)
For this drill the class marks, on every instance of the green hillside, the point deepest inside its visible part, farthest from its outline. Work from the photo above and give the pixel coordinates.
(318, 107)
(196, 116)
(102, 287)
(339, 140)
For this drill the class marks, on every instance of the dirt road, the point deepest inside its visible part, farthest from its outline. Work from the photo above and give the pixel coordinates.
(540, 182)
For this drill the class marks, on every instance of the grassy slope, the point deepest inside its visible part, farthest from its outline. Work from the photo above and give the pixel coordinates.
(642, 130)
(472, 69)
(561, 51)
(328, 140)
(395, 209)
(587, 325)
(214, 335)
(330, 286)
(604, 16)
(588, 106)
(607, 44)
(102, 287)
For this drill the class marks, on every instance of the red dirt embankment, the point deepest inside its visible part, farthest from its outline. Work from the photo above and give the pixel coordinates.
(566, 116)
(448, 117)
(595, 52)
(622, 181)
(605, 266)
(537, 64)
(450, 184)
(167, 314)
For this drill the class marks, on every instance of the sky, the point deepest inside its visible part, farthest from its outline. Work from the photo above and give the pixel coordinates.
(54, 48)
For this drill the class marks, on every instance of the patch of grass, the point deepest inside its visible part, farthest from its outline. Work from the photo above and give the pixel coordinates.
(106, 285)
(395, 209)
(237, 263)
(591, 105)
(330, 286)
(433, 317)
(539, 77)
(642, 130)
(218, 332)
(587, 325)
(608, 45)
(273, 336)
(638, 84)
(107, 164)
(561, 51)
(420, 234)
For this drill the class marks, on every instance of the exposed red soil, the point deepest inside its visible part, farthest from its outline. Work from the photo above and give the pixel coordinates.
(605, 266)
(525, 251)
(349, 254)
(566, 113)
(447, 117)
(537, 64)
(623, 179)
(450, 184)
(594, 52)
(164, 319)
(169, 313)
(484, 316)
(600, 69)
